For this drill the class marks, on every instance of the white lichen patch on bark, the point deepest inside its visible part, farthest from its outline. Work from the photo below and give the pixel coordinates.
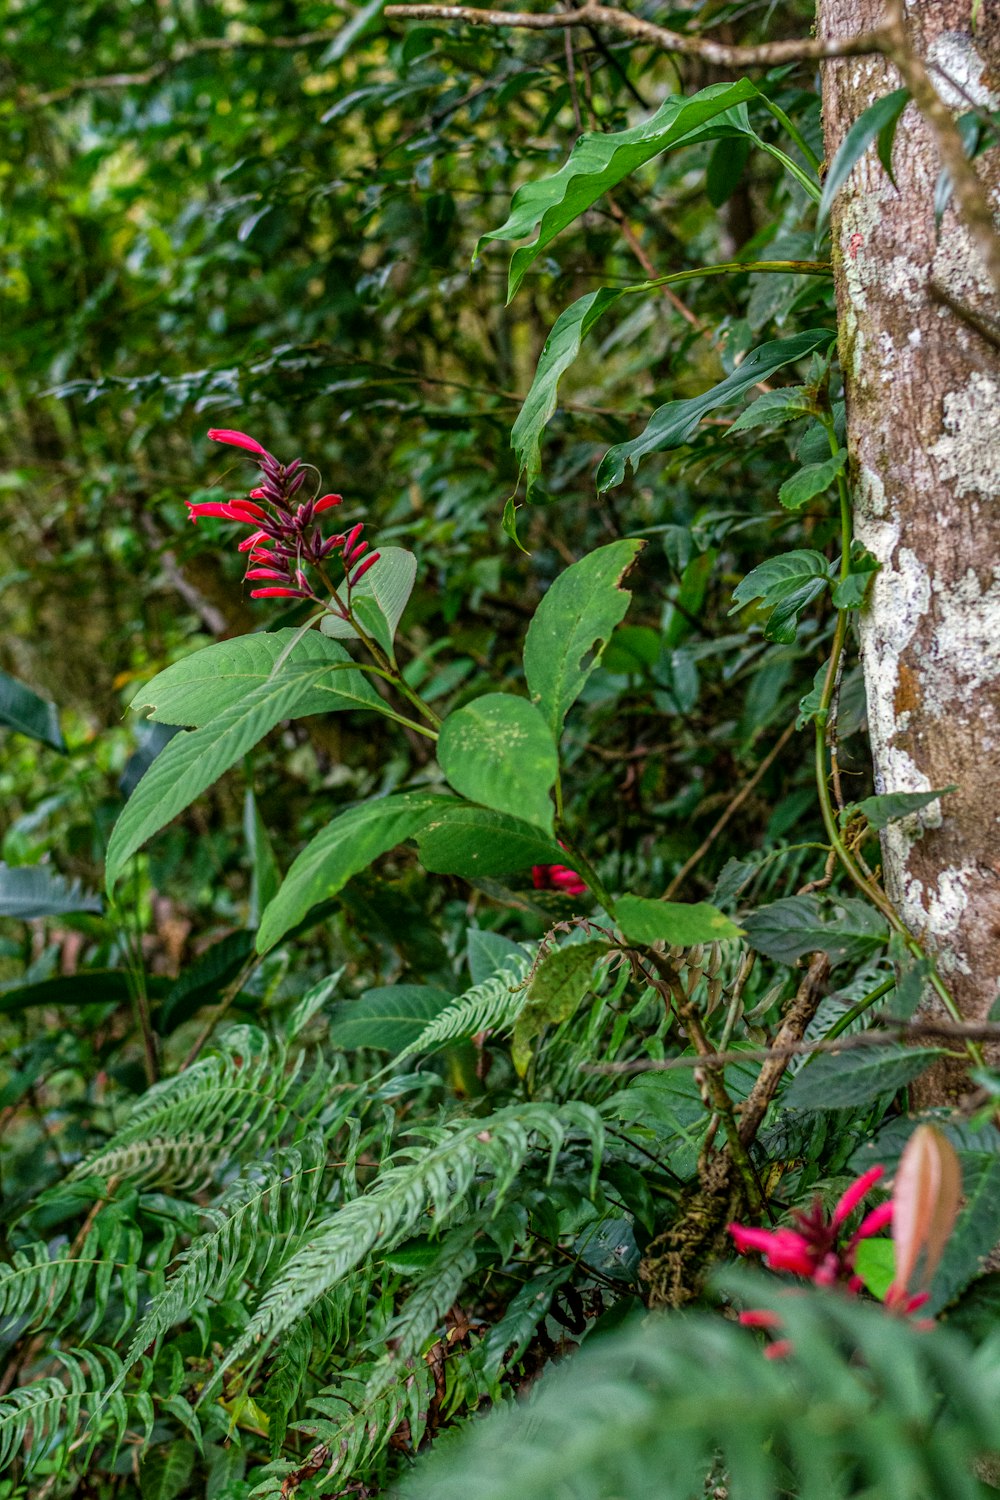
(963, 657)
(967, 451)
(960, 72)
(938, 911)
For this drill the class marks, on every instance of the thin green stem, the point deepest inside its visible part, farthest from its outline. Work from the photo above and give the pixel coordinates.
(583, 867)
(731, 267)
(794, 132)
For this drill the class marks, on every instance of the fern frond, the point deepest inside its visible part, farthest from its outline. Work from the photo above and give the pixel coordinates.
(436, 1291)
(37, 1418)
(427, 1179)
(37, 1285)
(267, 1207)
(494, 1006)
(234, 1104)
(865, 1404)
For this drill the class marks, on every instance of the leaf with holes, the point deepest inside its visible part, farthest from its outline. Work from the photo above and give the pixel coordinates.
(558, 985)
(575, 618)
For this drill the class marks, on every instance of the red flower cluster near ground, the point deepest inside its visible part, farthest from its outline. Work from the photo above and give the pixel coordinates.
(557, 878)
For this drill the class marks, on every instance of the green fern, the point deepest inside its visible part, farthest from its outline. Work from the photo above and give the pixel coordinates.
(494, 1006)
(865, 1405)
(39, 1418)
(38, 1286)
(427, 1179)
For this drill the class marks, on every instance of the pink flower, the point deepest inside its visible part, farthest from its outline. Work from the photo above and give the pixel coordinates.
(236, 440)
(295, 543)
(813, 1249)
(557, 878)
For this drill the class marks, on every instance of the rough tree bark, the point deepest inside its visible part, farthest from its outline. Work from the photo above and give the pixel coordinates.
(924, 437)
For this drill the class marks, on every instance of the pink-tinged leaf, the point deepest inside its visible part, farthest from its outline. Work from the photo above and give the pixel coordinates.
(926, 1196)
(235, 439)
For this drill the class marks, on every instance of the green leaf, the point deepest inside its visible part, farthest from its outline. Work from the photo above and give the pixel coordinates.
(490, 953)
(498, 750)
(210, 973)
(875, 1263)
(850, 592)
(265, 877)
(379, 599)
(192, 761)
(165, 1471)
(88, 987)
(561, 348)
(30, 891)
(679, 923)
(725, 169)
(573, 623)
(388, 1018)
(786, 405)
(559, 983)
(477, 842)
(883, 810)
(842, 1080)
(674, 423)
(204, 685)
(813, 480)
(786, 585)
(786, 930)
(23, 710)
(975, 1233)
(867, 126)
(343, 848)
(598, 161)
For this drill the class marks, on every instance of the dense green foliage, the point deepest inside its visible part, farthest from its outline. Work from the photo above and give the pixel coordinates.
(331, 1123)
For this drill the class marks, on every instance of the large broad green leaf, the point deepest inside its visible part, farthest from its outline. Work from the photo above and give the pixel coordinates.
(388, 1018)
(597, 162)
(674, 423)
(345, 847)
(476, 841)
(192, 761)
(489, 952)
(557, 986)
(379, 599)
(678, 923)
(498, 750)
(23, 710)
(36, 891)
(571, 627)
(847, 929)
(786, 585)
(841, 1080)
(203, 686)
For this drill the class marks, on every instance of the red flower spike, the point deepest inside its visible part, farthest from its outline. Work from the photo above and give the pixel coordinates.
(265, 573)
(236, 440)
(849, 1201)
(369, 562)
(352, 537)
(251, 541)
(279, 594)
(872, 1223)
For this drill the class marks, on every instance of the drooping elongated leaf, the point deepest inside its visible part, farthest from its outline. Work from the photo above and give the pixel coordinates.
(597, 162)
(674, 423)
(883, 810)
(387, 1018)
(343, 848)
(205, 979)
(88, 987)
(840, 1080)
(867, 126)
(572, 625)
(847, 930)
(264, 873)
(192, 761)
(379, 599)
(476, 842)
(29, 891)
(786, 585)
(202, 686)
(498, 750)
(675, 922)
(558, 985)
(23, 710)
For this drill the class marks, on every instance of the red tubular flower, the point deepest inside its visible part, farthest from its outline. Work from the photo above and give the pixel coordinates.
(849, 1200)
(208, 508)
(557, 878)
(813, 1248)
(368, 562)
(279, 594)
(236, 440)
(325, 502)
(783, 1249)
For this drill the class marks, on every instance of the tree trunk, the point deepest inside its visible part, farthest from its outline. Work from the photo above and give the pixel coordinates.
(923, 423)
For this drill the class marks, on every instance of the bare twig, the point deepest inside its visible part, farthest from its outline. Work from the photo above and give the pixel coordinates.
(792, 1029)
(733, 807)
(720, 54)
(914, 1031)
